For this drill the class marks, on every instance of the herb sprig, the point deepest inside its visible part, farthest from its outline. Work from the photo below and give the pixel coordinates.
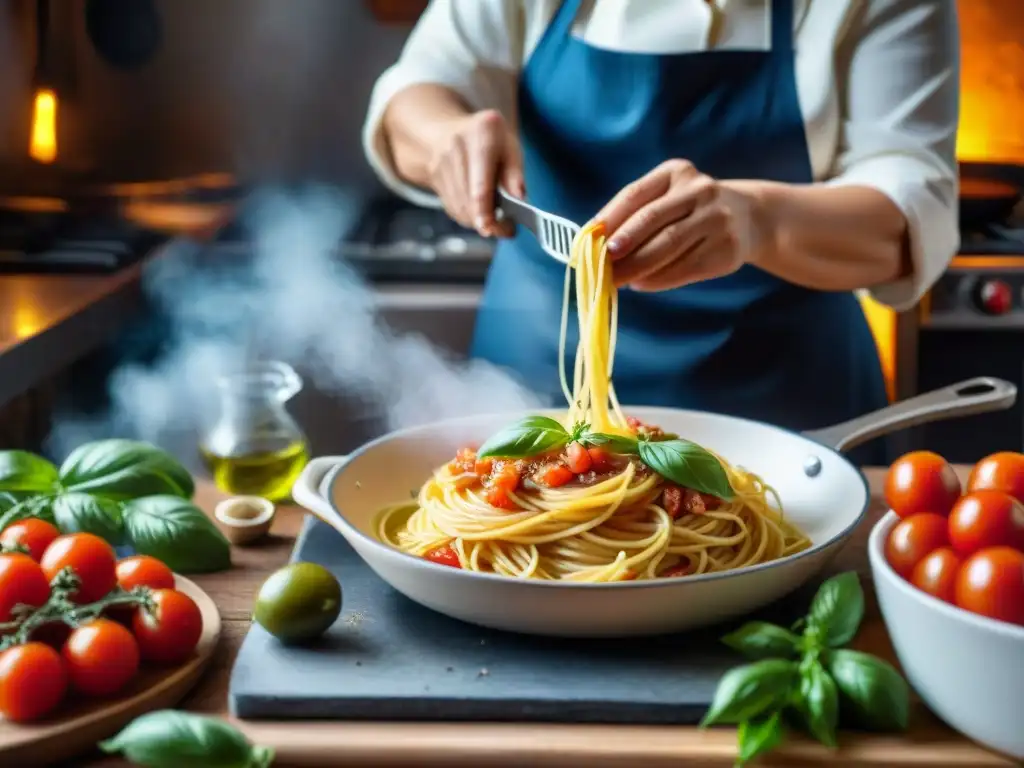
(809, 677)
(681, 461)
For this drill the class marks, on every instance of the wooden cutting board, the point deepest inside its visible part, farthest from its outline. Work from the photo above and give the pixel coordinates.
(78, 727)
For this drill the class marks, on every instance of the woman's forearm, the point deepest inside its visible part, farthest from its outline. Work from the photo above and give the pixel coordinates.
(413, 123)
(830, 238)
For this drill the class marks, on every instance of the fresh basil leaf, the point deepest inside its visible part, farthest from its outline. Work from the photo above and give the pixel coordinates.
(758, 737)
(688, 465)
(745, 692)
(837, 609)
(123, 470)
(24, 471)
(760, 640)
(818, 702)
(614, 443)
(175, 531)
(877, 693)
(34, 506)
(82, 513)
(171, 739)
(527, 437)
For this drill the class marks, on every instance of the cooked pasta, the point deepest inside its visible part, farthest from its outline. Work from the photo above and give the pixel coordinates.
(596, 496)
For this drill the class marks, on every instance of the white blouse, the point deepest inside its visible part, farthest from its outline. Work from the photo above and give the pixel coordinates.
(878, 82)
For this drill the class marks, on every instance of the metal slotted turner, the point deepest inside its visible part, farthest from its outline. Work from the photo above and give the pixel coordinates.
(554, 233)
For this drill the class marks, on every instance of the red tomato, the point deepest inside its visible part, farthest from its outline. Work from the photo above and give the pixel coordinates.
(921, 481)
(33, 533)
(600, 459)
(991, 583)
(172, 633)
(92, 560)
(33, 681)
(983, 519)
(936, 574)
(22, 582)
(555, 475)
(444, 555)
(913, 538)
(101, 657)
(999, 472)
(498, 497)
(507, 477)
(577, 458)
(143, 571)
(676, 571)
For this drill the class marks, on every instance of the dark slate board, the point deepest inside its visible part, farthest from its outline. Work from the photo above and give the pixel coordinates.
(387, 658)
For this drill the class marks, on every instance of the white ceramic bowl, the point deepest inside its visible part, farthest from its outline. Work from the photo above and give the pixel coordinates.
(968, 669)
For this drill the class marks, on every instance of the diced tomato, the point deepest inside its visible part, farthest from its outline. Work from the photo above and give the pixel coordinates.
(555, 475)
(686, 501)
(710, 502)
(444, 555)
(464, 461)
(633, 423)
(672, 500)
(483, 466)
(506, 477)
(577, 458)
(676, 571)
(498, 497)
(600, 459)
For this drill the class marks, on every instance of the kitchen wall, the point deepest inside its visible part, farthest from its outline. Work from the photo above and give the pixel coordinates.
(272, 87)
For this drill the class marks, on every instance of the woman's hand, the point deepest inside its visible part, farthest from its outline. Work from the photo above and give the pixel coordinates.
(475, 154)
(677, 226)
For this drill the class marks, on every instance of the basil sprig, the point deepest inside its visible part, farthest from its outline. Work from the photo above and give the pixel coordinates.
(124, 491)
(808, 675)
(171, 739)
(683, 462)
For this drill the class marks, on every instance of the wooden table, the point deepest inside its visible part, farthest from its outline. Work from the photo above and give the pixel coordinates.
(930, 743)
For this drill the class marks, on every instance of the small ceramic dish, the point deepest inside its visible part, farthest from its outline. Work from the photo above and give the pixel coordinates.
(245, 519)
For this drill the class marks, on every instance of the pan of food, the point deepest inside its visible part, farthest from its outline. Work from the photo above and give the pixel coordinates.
(606, 521)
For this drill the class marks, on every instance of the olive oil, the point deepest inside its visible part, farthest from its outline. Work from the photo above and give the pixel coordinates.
(266, 473)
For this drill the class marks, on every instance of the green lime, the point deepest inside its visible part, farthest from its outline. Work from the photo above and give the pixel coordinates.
(298, 602)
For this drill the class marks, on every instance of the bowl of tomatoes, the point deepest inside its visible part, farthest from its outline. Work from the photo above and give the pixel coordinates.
(948, 568)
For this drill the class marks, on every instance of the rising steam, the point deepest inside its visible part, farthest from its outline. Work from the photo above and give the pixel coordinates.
(293, 301)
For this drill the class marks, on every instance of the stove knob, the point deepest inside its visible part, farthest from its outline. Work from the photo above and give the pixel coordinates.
(994, 297)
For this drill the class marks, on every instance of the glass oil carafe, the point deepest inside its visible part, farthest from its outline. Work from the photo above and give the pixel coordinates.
(255, 447)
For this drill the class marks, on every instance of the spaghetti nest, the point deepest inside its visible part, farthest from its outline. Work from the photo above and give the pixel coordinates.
(596, 497)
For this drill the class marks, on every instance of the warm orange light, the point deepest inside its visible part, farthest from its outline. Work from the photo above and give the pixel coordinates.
(882, 321)
(43, 145)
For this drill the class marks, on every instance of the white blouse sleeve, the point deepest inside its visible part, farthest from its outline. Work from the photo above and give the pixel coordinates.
(473, 47)
(899, 123)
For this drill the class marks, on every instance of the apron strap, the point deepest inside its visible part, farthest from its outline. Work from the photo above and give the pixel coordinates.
(561, 24)
(782, 26)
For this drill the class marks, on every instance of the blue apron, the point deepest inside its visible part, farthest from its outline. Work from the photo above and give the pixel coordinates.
(750, 344)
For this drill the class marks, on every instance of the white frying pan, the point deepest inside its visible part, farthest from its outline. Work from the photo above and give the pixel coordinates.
(821, 492)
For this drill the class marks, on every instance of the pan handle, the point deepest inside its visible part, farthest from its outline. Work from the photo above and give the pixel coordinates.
(966, 398)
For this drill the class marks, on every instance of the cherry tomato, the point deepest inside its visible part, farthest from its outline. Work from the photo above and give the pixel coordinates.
(101, 657)
(33, 681)
(921, 481)
(143, 571)
(991, 583)
(171, 634)
(92, 560)
(600, 459)
(22, 582)
(999, 472)
(33, 533)
(983, 519)
(936, 574)
(913, 538)
(444, 555)
(577, 458)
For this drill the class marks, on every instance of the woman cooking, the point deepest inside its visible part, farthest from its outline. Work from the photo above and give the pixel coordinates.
(754, 161)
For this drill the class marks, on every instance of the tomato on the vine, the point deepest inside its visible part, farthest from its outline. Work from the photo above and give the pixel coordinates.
(143, 571)
(921, 481)
(991, 583)
(983, 519)
(936, 574)
(1002, 471)
(33, 681)
(32, 533)
(22, 582)
(913, 538)
(101, 657)
(90, 557)
(172, 631)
